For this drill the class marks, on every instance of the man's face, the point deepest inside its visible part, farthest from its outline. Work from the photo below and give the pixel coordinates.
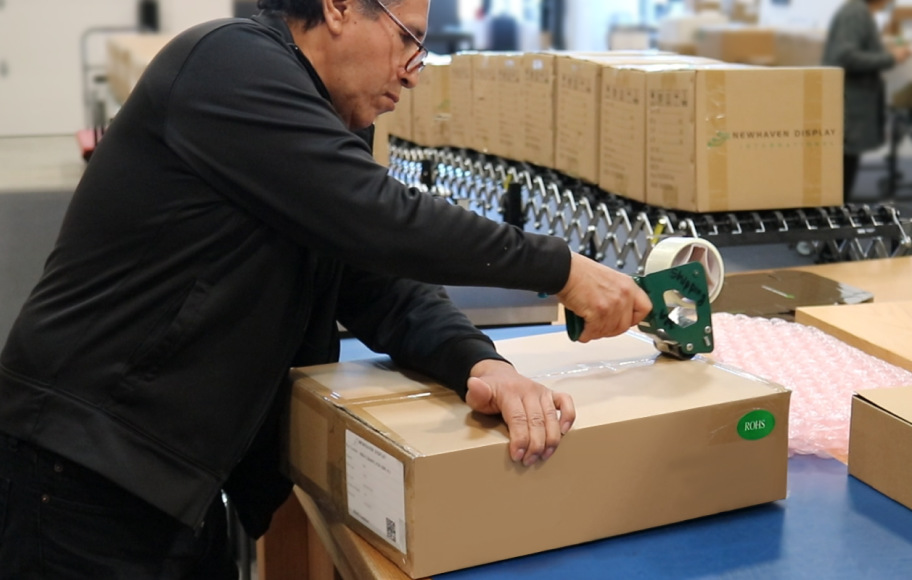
(367, 74)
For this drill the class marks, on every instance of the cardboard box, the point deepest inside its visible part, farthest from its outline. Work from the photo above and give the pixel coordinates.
(889, 279)
(738, 138)
(462, 102)
(737, 44)
(799, 47)
(881, 329)
(540, 92)
(128, 56)
(580, 105)
(511, 106)
(485, 112)
(430, 483)
(880, 441)
(400, 118)
(431, 104)
(622, 130)
(381, 146)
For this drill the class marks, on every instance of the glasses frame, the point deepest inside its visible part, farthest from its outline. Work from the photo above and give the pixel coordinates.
(415, 62)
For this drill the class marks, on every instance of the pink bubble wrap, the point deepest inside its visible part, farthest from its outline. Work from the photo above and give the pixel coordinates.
(821, 371)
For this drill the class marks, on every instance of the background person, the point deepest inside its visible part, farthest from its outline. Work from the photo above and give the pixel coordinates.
(854, 43)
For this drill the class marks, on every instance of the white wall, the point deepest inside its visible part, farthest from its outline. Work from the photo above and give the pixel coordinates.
(798, 13)
(41, 68)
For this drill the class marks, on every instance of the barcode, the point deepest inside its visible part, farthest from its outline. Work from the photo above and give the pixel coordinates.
(391, 530)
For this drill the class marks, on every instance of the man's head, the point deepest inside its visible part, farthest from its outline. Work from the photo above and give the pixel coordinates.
(364, 51)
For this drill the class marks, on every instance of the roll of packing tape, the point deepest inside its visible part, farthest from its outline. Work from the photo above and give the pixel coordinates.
(674, 251)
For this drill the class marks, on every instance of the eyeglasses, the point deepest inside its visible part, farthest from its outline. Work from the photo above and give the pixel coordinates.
(416, 62)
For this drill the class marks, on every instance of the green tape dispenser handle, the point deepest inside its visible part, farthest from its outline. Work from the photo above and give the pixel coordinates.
(575, 324)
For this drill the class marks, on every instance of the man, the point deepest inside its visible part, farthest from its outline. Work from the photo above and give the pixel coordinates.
(227, 220)
(853, 42)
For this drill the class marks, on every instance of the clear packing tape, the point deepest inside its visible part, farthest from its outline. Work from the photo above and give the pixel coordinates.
(821, 371)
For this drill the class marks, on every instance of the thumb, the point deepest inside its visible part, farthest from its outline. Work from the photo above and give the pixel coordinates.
(480, 396)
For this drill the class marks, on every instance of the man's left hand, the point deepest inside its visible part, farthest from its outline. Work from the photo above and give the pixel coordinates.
(536, 416)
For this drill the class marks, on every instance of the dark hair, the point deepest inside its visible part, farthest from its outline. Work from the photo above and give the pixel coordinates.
(311, 11)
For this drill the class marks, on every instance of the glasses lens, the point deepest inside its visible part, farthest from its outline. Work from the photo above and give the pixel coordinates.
(416, 63)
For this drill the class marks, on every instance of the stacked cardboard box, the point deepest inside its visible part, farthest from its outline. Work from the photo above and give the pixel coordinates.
(580, 107)
(728, 138)
(431, 104)
(511, 106)
(622, 132)
(401, 119)
(462, 102)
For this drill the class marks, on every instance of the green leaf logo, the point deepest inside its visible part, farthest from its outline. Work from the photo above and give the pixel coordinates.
(719, 140)
(756, 425)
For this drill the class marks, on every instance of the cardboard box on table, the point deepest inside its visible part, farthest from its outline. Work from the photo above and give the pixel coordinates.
(737, 138)
(880, 441)
(430, 484)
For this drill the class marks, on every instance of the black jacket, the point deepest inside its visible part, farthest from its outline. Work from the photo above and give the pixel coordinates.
(225, 222)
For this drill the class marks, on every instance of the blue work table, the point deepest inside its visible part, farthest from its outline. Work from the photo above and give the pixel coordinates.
(830, 526)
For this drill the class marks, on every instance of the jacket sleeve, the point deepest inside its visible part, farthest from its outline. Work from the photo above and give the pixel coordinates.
(416, 324)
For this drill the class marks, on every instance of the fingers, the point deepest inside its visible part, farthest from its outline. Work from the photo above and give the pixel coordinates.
(536, 417)
(537, 423)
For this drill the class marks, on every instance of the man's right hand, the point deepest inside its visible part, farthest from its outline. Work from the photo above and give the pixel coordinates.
(609, 301)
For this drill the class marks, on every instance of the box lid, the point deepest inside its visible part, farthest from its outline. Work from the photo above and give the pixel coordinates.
(897, 401)
(611, 381)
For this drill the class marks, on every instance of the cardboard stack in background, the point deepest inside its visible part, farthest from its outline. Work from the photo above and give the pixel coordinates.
(737, 44)
(799, 47)
(622, 124)
(430, 484)
(730, 138)
(485, 112)
(539, 93)
(579, 106)
(431, 104)
(511, 106)
(462, 100)
(678, 34)
(401, 118)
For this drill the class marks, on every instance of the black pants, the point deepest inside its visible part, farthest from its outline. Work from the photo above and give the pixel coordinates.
(59, 520)
(849, 173)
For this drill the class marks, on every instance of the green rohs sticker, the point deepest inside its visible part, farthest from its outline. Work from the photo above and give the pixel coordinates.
(756, 425)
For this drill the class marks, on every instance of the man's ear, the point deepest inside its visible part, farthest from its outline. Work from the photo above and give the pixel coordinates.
(335, 12)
